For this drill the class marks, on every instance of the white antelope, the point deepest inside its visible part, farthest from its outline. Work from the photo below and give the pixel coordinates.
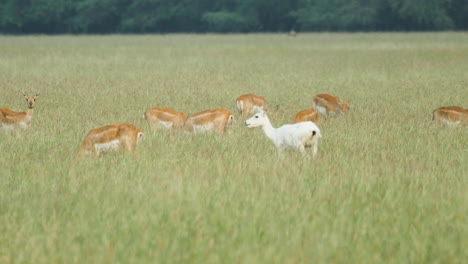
(217, 120)
(250, 104)
(11, 120)
(111, 137)
(296, 136)
(327, 104)
(307, 115)
(164, 117)
(451, 116)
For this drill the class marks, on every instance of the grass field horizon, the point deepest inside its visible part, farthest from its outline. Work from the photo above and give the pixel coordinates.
(387, 186)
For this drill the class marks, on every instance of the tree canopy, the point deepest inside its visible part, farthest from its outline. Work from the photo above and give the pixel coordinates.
(162, 16)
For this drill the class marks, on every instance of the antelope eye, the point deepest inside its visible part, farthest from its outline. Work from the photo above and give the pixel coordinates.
(256, 116)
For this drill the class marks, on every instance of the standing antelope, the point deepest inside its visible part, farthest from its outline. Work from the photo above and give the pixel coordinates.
(217, 120)
(111, 137)
(297, 136)
(307, 115)
(11, 120)
(249, 104)
(164, 117)
(327, 104)
(451, 115)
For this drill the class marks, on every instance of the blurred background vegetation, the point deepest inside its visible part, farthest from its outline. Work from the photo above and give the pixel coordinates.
(160, 16)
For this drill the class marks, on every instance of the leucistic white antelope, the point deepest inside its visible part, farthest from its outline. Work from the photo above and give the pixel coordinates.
(217, 120)
(111, 137)
(12, 120)
(307, 115)
(327, 104)
(451, 116)
(248, 104)
(295, 136)
(164, 117)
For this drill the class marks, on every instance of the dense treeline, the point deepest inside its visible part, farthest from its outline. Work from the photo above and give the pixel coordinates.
(134, 16)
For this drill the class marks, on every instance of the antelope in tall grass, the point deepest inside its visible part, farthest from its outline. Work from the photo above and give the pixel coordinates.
(249, 104)
(217, 120)
(451, 116)
(164, 117)
(12, 120)
(111, 137)
(327, 104)
(307, 115)
(297, 136)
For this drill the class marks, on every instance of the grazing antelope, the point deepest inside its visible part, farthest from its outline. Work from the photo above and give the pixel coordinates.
(249, 104)
(164, 117)
(297, 136)
(11, 120)
(451, 115)
(111, 137)
(307, 115)
(327, 104)
(217, 120)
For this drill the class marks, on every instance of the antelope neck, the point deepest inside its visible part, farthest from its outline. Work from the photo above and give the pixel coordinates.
(30, 111)
(269, 130)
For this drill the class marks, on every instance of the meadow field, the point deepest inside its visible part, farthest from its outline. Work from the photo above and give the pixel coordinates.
(387, 186)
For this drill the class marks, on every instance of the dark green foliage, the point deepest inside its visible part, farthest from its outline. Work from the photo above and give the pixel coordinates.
(422, 14)
(225, 21)
(98, 16)
(35, 16)
(118, 16)
(458, 12)
(332, 15)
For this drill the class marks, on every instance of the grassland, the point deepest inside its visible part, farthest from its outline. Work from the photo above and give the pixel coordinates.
(387, 186)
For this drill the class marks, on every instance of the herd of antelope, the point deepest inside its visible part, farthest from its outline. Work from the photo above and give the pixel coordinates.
(303, 133)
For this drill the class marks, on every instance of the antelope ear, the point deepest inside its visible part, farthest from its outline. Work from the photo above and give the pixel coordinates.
(37, 95)
(259, 110)
(25, 96)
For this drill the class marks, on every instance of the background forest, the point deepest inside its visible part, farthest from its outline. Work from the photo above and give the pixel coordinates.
(160, 16)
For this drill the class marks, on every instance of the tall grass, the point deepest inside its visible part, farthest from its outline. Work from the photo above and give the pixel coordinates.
(387, 186)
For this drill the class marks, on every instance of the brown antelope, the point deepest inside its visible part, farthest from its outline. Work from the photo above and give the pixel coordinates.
(250, 104)
(164, 117)
(11, 120)
(217, 120)
(111, 137)
(451, 115)
(327, 104)
(307, 115)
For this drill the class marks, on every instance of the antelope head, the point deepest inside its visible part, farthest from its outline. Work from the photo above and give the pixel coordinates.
(31, 100)
(259, 119)
(345, 106)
